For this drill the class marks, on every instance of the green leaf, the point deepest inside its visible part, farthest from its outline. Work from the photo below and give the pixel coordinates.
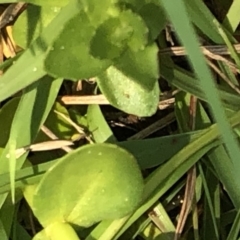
(142, 66)
(29, 67)
(125, 94)
(155, 19)
(3, 234)
(19, 232)
(163, 178)
(117, 33)
(37, 2)
(135, 5)
(232, 19)
(185, 81)
(69, 57)
(35, 104)
(211, 204)
(147, 151)
(32, 21)
(98, 126)
(58, 125)
(98, 13)
(98, 172)
(138, 40)
(234, 232)
(181, 22)
(131, 85)
(202, 17)
(57, 231)
(6, 117)
(111, 37)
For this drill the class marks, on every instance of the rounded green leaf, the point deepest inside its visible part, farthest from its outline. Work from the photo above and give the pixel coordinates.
(131, 85)
(93, 183)
(69, 56)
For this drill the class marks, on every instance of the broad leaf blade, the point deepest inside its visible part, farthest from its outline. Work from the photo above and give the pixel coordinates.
(98, 172)
(70, 57)
(131, 85)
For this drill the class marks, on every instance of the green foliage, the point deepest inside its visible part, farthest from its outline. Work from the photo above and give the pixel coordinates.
(57, 231)
(69, 56)
(97, 173)
(96, 190)
(141, 96)
(40, 15)
(106, 36)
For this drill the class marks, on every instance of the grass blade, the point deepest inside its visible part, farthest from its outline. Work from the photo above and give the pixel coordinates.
(182, 24)
(234, 232)
(232, 18)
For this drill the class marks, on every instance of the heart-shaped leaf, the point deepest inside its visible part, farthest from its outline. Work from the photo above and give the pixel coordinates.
(92, 183)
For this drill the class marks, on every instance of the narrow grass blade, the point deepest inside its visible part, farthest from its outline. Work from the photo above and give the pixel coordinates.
(234, 232)
(218, 156)
(98, 126)
(202, 17)
(185, 81)
(35, 104)
(165, 176)
(29, 67)
(3, 235)
(210, 204)
(232, 18)
(231, 49)
(182, 24)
